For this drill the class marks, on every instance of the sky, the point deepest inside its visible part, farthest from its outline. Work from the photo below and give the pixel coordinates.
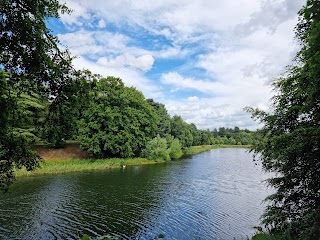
(204, 59)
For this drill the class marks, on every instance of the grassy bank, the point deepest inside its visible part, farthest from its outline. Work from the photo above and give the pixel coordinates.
(265, 236)
(199, 149)
(54, 166)
(78, 165)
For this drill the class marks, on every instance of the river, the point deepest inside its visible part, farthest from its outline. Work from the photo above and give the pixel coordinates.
(213, 195)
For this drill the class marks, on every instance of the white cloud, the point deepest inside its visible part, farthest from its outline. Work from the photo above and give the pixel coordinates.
(209, 114)
(179, 20)
(178, 82)
(143, 62)
(129, 76)
(193, 99)
(271, 14)
(84, 42)
(102, 24)
(78, 16)
(240, 45)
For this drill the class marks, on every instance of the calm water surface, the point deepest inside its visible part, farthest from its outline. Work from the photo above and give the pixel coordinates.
(214, 195)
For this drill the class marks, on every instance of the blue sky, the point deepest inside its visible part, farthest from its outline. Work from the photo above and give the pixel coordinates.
(205, 60)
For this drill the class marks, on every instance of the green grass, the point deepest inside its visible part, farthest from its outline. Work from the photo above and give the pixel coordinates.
(78, 165)
(199, 149)
(261, 236)
(266, 236)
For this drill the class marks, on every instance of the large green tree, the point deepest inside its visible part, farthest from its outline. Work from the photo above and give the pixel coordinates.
(65, 111)
(164, 126)
(29, 60)
(182, 131)
(118, 120)
(292, 137)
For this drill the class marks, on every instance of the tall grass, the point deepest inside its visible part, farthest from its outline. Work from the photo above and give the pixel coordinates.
(78, 165)
(199, 149)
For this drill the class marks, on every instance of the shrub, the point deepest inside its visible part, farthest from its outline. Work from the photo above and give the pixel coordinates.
(156, 149)
(175, 149)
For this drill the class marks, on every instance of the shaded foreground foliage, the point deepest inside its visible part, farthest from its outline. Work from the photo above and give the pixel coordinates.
(292, 138)
(29, 61)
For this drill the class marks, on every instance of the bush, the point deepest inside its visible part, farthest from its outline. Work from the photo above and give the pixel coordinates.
(156, 149)
(175, 149)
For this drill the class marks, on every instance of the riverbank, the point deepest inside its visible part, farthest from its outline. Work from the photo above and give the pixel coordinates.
(199, 149)
(53, 165)
(78, 165)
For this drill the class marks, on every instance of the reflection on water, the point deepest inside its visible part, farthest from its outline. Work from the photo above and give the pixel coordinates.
(213, 195)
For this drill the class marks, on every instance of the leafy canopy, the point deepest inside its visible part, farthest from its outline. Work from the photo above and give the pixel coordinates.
(118, 120)
(292, 137)
(29, 60)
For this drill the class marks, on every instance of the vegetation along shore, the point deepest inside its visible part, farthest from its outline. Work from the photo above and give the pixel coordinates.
(53, 165)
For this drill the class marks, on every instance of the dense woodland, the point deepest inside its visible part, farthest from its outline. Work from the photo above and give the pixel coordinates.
(43, 98)
(108, 119)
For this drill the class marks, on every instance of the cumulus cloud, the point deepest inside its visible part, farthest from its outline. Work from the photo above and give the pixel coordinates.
(209, 114)
(102, 24)
(129, 76)
(78, 16)
(227, 50)
(271, 14)
(143, 62)
(179, 82)
(193, 99)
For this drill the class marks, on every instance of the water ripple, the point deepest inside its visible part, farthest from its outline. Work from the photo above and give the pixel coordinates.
(214, 195)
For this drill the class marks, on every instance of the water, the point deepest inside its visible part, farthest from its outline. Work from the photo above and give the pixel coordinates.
(214, 195)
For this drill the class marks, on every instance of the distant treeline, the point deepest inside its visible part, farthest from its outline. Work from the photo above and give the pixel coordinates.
(110, 119)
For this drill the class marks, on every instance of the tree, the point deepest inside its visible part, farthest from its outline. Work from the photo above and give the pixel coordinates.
(29, 114)
(182, 131)
(196, 135)
(118, 120)
(29, 59)
(164, 126)
(14, 146)
(28, 49)
(65, 111)
(175, 149)
(292, 137)
(206, 137)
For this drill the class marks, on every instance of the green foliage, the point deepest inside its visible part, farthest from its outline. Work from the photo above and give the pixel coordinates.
(199, 149)
(196, 135)
(157, 149)
(235, 136)
(15, 153)
(292, 138)
(175, 149)
(86, 237)
(260, 236)
(169, 139)
(65, 110)
(14, 145)
(118, 120)
(31, 65)
(29, 114)
(28, 49)
(78, 165)
(164, 126)
(182, 131)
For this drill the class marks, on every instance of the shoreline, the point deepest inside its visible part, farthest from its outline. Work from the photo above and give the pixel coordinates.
(80, 165)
